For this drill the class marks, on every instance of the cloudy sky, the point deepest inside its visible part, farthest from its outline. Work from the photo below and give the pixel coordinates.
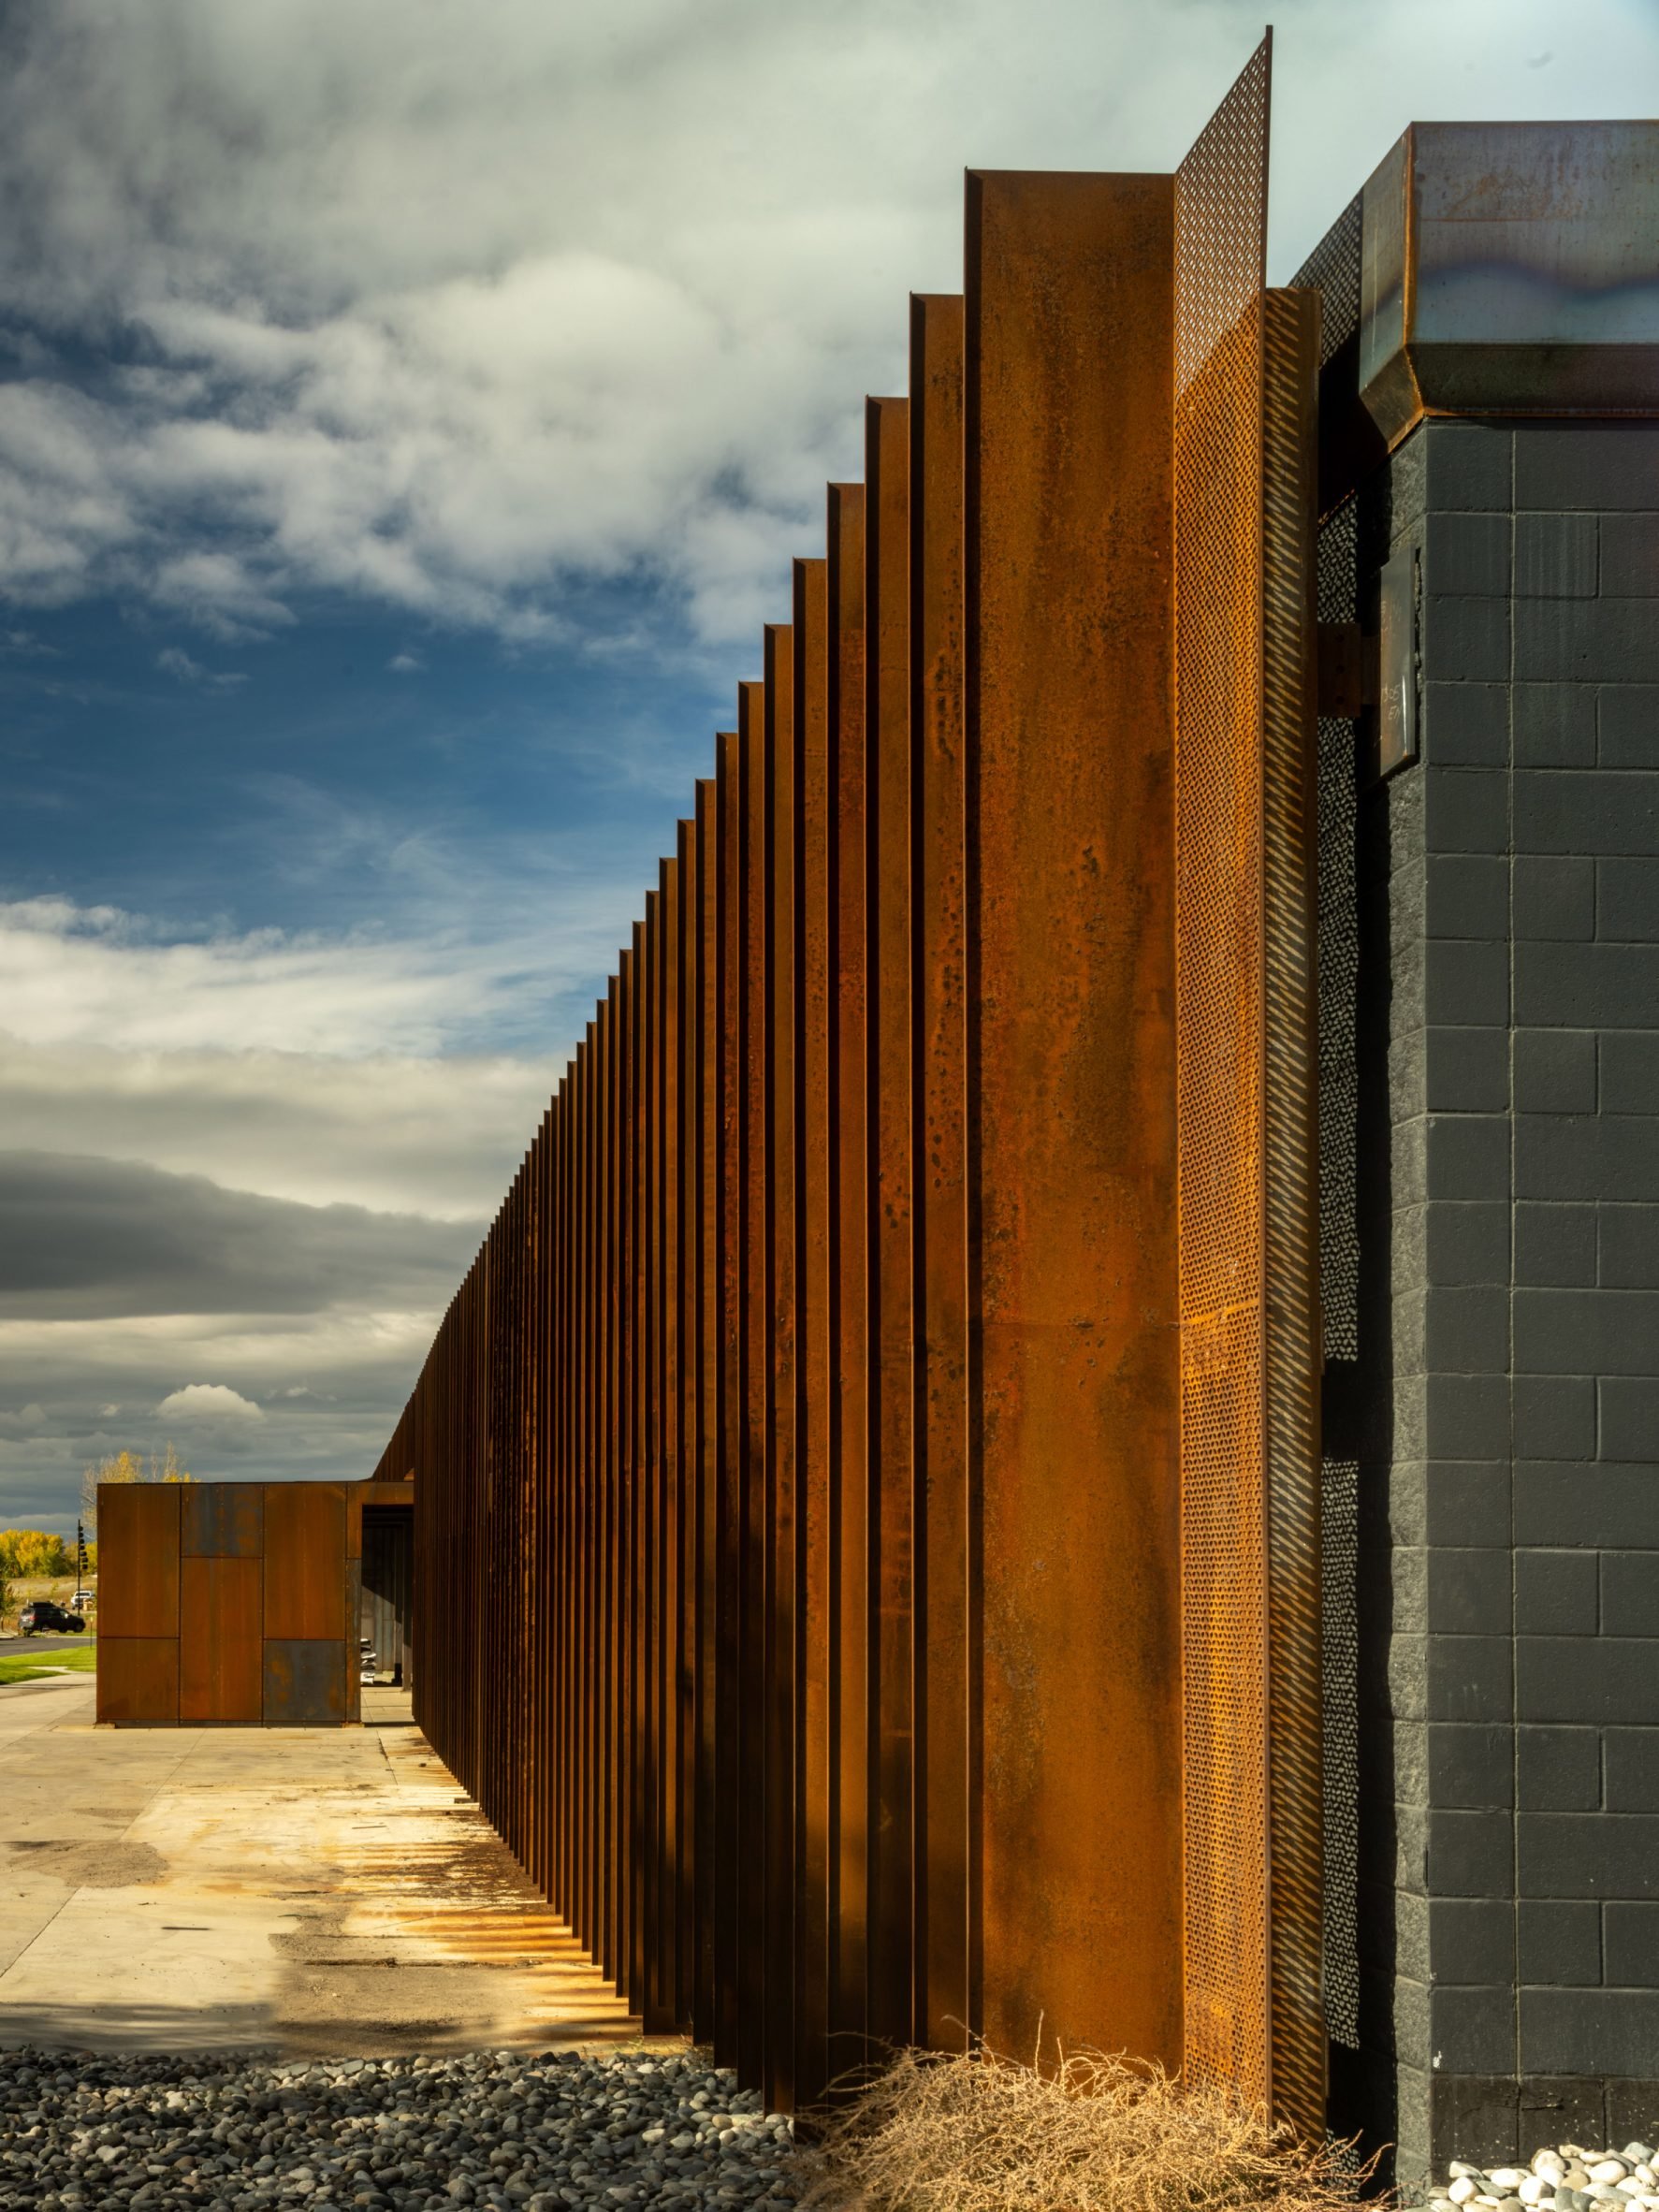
(408, 410)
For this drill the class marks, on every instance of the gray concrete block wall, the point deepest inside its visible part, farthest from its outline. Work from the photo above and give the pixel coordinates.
(1509, 1356)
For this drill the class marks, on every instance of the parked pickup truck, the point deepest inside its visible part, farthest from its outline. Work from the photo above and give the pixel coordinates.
(44, 1614)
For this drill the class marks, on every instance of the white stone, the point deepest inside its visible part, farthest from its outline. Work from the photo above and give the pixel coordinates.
(1535, 2188)
(1609, 2169)
(1507, 2177)
(1463, 2188)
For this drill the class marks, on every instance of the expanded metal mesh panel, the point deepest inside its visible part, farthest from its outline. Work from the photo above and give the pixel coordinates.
(1220, 216)
(1290, 1072)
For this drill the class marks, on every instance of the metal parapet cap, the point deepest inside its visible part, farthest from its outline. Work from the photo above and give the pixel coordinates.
(1490, 269)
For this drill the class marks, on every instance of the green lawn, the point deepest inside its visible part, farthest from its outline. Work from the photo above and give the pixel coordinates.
(80, 1658)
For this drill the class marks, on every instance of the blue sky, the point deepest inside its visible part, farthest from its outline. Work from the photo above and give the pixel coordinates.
(407, 416)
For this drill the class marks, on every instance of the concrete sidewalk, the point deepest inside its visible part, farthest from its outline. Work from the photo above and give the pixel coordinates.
(323, 1891)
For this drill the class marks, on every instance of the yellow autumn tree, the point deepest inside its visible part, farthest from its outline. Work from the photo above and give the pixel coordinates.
(127, 1466)
(33, 1553)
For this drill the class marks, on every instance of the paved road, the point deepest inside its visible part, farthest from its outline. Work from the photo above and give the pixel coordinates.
(43, 1643)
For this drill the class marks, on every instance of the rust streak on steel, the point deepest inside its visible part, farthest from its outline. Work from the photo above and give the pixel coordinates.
(1069, 366)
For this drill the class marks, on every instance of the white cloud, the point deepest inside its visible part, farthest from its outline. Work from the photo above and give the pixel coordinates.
(399, 1134)
(405, 663)
(209, 1401)
(173, 661)
(438, 306)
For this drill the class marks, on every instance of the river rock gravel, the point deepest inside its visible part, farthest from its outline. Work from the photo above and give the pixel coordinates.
(80, 2131)
(1561, 2178)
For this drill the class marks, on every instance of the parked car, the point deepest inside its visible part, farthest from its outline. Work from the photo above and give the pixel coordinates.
(83, 1601)
(44, 1614)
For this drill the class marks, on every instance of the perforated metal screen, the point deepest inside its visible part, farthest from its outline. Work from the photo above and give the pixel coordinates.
(1220, 222)
(1246, 468)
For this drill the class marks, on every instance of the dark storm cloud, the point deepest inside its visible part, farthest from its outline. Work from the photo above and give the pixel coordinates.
(83, 1238)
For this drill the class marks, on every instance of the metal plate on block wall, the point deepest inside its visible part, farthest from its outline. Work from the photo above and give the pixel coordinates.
(220, 1665)
(138, 1559)
(304, 1683)
(222, 1520)
(138, 1679)
(1398, 672)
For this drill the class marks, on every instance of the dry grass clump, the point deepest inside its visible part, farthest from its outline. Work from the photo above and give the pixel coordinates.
(983, 2133)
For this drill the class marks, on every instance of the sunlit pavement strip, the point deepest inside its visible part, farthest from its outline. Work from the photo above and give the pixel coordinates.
(326, 1891)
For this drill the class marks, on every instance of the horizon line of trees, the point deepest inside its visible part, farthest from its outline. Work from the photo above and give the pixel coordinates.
(37, 1554)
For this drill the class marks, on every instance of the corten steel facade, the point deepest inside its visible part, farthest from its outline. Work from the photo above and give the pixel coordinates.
(890, 1562)
(867, 1509)
(227, 1603)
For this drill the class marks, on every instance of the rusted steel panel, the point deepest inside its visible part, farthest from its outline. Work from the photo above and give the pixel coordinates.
(608, 1843)
(946, 1536)
(892, 1364)
(304, 1560)
(1290, 1077)
(1220, 208)
(304, 1683)
(711, 1367)
(779, 1590)
(581, 1647)
(629, 1558)
(815, 1358)
(666, 1611)
(682, 1657)
(138, 1559)
(223, 1519)
(220, 1659)
(646, 1463)
(754, 1271)
(725, 1861)
(1068, 364)
(852, 1618)
(138, 1676)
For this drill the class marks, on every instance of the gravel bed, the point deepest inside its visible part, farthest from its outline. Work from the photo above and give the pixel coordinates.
(1568, 2177)
(81, 2131)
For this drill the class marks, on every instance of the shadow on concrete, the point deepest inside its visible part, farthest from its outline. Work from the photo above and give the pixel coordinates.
(158, 2028)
